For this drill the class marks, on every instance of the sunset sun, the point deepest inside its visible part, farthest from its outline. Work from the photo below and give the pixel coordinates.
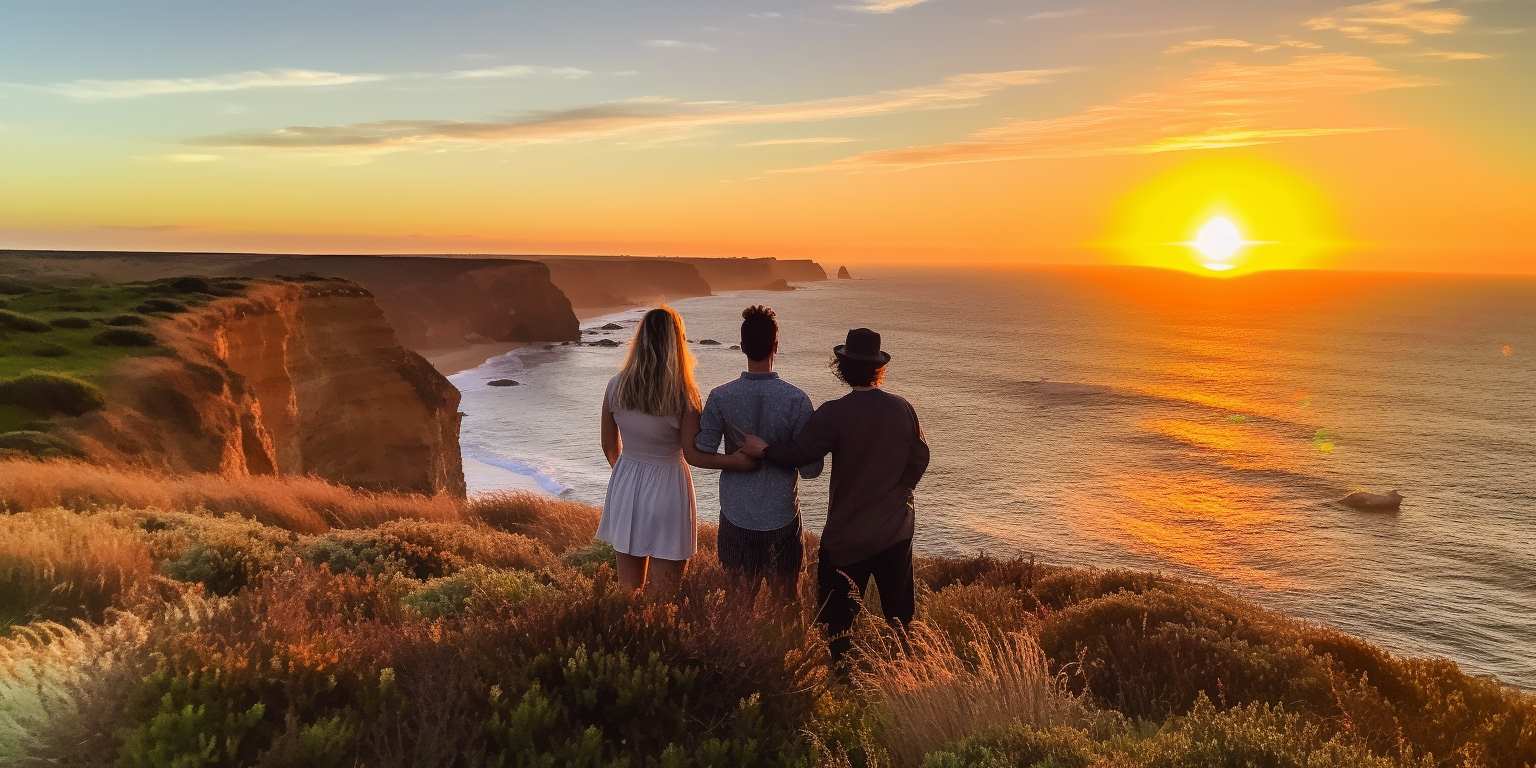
(1218, 242)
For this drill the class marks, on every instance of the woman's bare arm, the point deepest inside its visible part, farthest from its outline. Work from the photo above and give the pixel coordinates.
(689, 427)
(612, 445)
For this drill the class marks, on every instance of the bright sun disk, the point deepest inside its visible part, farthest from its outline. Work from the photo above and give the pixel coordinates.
(1217, 242)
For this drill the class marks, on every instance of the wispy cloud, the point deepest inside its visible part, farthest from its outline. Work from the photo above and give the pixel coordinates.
(1390, 22)
(191, 158)
(1456, 55)
(1064, 13)
(882, 6)
(682, 45)
(1221, 106)
(516, 71)
(1233, 43)
(611, 119)
(91, 90)
(1136, 34)
(765, 15)
(806, 140)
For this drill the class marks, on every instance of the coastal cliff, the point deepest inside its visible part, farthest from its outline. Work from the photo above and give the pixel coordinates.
(287, 378)
(435, 302)
(617, 281)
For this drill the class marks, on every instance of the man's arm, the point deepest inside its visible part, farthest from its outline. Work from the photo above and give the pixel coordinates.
(811, 444)
(917, 456)
(711, 426)
(803, 411)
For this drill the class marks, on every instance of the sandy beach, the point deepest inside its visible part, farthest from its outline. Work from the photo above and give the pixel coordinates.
(453, 360)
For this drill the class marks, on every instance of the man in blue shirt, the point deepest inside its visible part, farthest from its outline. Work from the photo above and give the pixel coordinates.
(759, 510)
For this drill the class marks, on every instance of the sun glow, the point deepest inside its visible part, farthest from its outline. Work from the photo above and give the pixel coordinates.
(1218, 241)
(1223, 217)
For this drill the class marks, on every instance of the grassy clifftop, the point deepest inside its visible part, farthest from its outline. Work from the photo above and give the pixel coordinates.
(194, 621)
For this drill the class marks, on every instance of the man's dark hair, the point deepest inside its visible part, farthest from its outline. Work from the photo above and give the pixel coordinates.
(858, 373)
(759, 332)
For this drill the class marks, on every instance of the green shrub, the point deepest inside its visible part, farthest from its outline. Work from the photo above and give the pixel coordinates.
(70, 322)
(474, 588)
(1019, 746)
(37, 444)
(183, 285)
(51, 393)
(15, 321)
(591, 557)
(126, 320)
(223, 566)
(169, 306)
(51, 350)
(124, 337)
(425, 550)
(1252, 735)
(188, 721)
(14, 287)
(1153, 654)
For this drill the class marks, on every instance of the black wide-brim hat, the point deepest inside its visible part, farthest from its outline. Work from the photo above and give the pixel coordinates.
(862, 345)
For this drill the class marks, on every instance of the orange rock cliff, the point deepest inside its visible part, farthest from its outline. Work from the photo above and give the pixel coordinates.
(293, 378)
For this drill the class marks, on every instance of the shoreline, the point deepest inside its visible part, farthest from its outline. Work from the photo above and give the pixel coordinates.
(450, 361)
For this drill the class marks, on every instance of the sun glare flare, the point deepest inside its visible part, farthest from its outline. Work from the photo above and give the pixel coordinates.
(1218, 241)
(1223, 217)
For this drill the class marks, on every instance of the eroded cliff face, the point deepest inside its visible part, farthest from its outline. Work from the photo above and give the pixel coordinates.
(615, 282)
(297, 378)
(439, 302)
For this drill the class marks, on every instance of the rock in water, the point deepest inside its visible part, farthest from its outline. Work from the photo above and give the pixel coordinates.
(842, 274)
(503, 383)
(709, 343)
(612, 327)
(604, 343)
(1375, 502)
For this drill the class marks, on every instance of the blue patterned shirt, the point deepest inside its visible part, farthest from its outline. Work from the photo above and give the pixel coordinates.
(767, 406)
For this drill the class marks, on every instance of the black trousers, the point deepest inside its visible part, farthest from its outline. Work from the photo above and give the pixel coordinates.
(750, 556)
(839, 585)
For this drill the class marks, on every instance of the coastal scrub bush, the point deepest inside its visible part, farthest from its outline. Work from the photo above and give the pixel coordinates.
(588, 559)
(168, 306)
(70, 322)
(126, 320)
(1256, 734)
(56, 565)
(13, 287)
(36, 444)
(298, 504)
(558, 523)
(476, 588)
(50, 349)
(124, 337)
(927, 692)
(1019, 745)
(425, 550)
(51, 393)
(16, 321)
(1153, 654)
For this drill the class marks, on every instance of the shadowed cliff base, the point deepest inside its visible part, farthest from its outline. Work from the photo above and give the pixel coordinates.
(237, 376)
(236, 625)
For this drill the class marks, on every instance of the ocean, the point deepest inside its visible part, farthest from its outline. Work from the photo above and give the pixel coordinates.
(1128, 418)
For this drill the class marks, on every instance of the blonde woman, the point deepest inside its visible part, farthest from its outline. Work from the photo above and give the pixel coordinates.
(650, 420)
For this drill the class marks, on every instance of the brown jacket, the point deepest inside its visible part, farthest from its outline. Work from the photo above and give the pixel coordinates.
(878, 456)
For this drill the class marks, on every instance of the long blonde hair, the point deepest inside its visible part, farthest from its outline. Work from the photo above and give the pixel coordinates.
(657, 377)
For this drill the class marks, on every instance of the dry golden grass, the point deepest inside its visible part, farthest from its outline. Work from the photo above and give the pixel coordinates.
(927, 692)
(302, 505)
(55, 565)
(558, 524)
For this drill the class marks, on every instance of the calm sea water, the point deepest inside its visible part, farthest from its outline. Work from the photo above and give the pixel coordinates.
(1204, 428)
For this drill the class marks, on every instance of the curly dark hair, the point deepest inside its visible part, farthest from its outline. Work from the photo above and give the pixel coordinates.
(759, 331)
(857, 373)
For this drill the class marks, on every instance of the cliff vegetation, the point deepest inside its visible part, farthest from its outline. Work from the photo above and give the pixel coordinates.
(189, 621)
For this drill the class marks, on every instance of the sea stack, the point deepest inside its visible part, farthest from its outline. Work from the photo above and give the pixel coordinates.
(842, 274)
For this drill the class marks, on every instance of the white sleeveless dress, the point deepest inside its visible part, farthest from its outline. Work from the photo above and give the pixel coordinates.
(649, 511)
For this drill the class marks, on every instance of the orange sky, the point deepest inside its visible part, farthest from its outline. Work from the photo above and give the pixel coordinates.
(1392, 134)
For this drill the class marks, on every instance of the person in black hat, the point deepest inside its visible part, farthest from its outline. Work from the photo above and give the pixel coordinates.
(878, 456)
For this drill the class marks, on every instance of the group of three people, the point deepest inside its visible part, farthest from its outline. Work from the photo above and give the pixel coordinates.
(654, 424)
